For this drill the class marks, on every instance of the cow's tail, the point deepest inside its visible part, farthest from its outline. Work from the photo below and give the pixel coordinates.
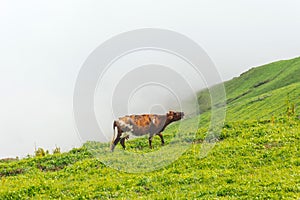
(115, 128)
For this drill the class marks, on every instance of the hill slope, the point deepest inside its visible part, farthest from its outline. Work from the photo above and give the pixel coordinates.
(253, 159)
(261, 92)
(257, 155)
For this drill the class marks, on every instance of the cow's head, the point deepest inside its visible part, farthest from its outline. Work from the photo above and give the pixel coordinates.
(175, 116)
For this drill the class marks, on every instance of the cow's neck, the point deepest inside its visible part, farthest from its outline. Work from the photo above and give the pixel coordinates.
(168, 121)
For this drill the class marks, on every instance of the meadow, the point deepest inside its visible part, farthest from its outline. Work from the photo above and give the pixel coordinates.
(256, 155)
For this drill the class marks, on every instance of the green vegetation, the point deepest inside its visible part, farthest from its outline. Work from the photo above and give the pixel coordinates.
(257, 155)
(261, 92)
(253, 159)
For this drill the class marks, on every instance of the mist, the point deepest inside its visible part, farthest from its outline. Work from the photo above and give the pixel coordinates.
(44, 45)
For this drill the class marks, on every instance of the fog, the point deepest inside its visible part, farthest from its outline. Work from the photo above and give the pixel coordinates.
(43, 45)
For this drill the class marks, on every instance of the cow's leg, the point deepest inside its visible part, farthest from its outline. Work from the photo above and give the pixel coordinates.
(150, 141)
(161, 138)
(115, 143)
(123, 142)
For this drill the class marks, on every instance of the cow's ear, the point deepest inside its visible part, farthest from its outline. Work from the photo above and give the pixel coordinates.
(170, 115)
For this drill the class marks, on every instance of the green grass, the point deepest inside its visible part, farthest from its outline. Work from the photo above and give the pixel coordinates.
(260, 92)
(252, 159)
(265, 105)
(257, 154)
(263, 79)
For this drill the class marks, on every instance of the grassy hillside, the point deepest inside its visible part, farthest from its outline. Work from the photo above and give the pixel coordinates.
(253, 159)
(257, 155)
(263, 79)
(260, 92)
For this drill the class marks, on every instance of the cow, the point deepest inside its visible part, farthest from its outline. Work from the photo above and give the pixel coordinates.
(139, 125)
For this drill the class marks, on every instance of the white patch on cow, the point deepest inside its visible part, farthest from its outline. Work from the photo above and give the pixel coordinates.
(125, 134)
(123, 124)
(153, 120)
(115, 133)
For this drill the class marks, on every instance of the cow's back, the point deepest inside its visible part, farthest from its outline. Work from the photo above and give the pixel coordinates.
(142, 124)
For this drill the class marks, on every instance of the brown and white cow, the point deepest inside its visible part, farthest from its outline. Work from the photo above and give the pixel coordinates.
(139, 125)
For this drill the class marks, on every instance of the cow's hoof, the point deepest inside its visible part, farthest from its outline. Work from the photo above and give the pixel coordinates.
(112, 148)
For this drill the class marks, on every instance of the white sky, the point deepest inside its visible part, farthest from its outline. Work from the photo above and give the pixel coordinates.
(44, 43)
